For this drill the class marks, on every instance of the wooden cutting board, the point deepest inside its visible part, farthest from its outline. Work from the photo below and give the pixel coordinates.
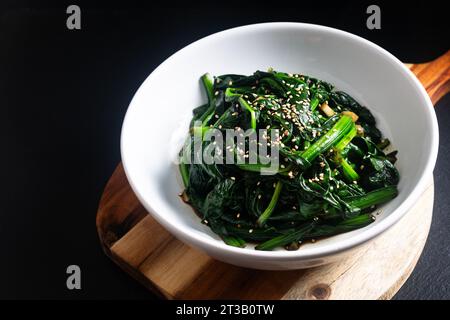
(173, 270)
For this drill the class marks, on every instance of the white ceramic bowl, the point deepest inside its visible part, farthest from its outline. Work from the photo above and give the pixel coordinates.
(158, 116)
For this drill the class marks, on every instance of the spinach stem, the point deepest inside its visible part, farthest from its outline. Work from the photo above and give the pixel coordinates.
(348, 171)
(346, 139)
(230, 95)
(373, 197)
(208, 84)
(325, 142)
(314, 103)
(184, 174)
(285, 238)
(234, 241)
(244, 104)
(273, 202)
(257, 167)
(344, 226)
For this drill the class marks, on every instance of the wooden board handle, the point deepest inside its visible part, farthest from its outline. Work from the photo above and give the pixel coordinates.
(435, 76)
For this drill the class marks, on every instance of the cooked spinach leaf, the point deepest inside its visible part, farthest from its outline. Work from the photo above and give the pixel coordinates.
(332, 167)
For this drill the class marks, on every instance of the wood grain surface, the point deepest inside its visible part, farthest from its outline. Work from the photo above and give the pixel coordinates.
(173, 270)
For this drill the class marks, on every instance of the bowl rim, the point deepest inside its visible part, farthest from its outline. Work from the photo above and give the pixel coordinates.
(311, 252)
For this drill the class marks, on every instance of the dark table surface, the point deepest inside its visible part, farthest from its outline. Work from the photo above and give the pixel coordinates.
(63, 95)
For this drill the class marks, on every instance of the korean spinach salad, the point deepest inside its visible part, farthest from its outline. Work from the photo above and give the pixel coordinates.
(332, 168)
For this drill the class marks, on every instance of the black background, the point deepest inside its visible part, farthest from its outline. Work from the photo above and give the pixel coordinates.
(63, 95)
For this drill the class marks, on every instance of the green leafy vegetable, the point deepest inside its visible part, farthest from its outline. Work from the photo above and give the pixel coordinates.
(332, 167)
